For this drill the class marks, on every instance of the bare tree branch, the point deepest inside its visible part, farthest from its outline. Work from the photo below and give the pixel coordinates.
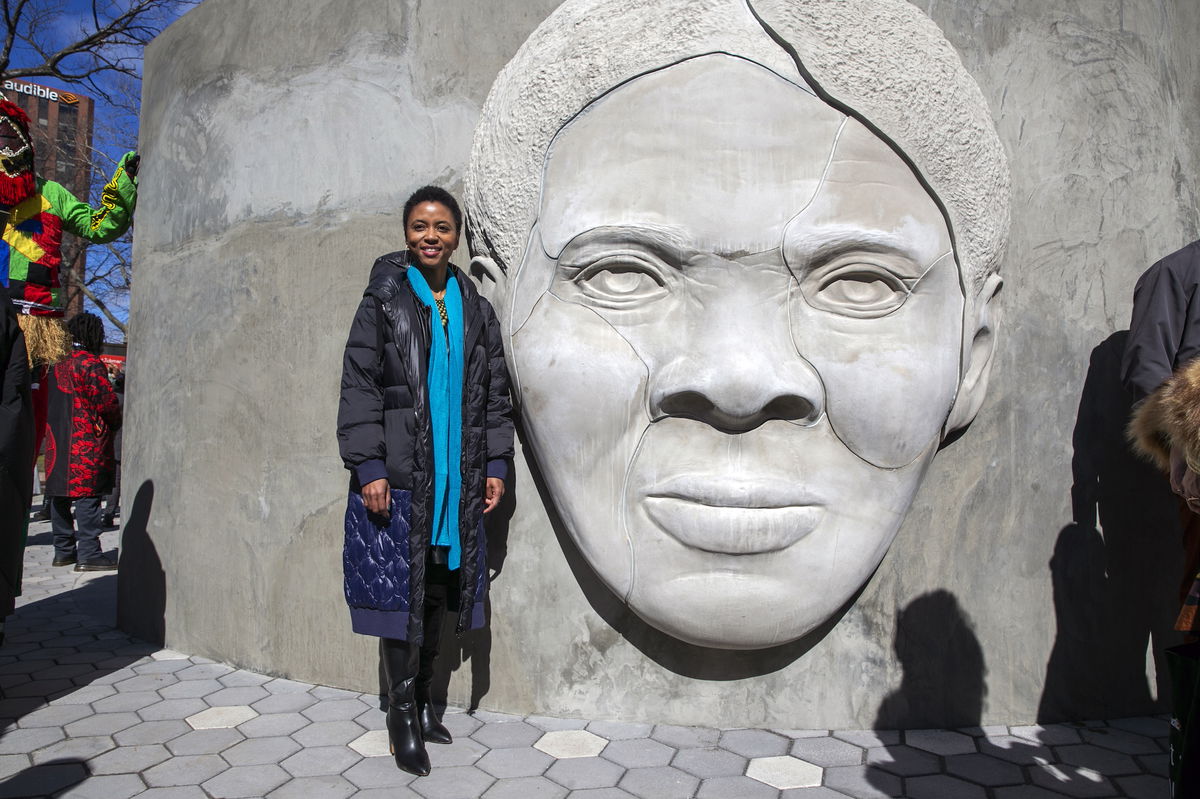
(110, 43)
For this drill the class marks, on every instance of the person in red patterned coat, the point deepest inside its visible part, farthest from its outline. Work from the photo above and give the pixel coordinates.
(82, 418)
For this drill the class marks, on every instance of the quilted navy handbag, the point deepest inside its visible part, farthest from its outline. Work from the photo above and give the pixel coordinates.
(375, 556)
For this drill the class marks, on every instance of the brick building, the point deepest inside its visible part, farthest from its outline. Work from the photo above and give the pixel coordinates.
(62, 139)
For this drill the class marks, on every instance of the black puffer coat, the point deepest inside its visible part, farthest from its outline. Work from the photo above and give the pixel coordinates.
(384, 430)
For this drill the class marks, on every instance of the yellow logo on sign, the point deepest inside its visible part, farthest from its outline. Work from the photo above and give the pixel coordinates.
(68, 98)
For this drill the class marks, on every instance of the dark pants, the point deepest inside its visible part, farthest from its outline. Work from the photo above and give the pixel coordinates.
(86, 532)
(113, 506)
(410, 673)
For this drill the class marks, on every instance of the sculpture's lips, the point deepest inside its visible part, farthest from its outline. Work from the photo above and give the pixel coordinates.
(732, 517)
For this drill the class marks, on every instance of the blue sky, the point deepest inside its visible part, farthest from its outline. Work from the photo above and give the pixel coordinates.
(115, 128)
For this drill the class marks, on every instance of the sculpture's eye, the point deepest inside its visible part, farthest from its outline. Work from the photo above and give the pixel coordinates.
(858, 289)
(621, 282)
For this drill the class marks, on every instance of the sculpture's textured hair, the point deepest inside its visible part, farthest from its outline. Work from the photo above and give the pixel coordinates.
(882, 59)
(433, 194)
(87, 331)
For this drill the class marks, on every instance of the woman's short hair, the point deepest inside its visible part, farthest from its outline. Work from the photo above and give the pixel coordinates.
(434, 194)
(882, 61)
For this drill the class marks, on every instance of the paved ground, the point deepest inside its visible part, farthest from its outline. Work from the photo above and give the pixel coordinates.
(89, 712)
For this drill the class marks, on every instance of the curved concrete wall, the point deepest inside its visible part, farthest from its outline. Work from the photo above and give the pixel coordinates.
(1034, 576)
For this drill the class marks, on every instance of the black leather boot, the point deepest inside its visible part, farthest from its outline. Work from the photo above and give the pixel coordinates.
(432, 730)
(404, 729)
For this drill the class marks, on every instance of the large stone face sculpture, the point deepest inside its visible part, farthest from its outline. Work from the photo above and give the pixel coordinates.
(743, 257)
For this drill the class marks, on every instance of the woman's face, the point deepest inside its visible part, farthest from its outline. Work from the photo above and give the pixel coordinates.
(431, 234)
(737, 333)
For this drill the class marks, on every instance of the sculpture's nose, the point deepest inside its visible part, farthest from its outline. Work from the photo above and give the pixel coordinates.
(739, 370)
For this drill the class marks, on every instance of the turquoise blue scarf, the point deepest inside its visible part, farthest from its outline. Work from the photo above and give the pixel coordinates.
(445, 384)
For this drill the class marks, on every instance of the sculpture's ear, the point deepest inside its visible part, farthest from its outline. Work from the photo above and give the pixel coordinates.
(491, 279)
(978, 365)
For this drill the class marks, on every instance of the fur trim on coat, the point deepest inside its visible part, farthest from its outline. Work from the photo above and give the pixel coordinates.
(1168, 418)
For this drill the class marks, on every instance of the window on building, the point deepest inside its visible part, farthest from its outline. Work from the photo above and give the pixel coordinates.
(43, 111)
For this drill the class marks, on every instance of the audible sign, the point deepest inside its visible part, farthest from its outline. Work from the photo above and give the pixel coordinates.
(41, 91)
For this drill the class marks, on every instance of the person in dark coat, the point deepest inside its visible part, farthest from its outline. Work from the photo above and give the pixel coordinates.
(1161, 370)
(425, 428)
(113, 506)
(82, 418)
(16, 455)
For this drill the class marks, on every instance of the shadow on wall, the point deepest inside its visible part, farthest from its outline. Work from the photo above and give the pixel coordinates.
(1116, 567)
(141, 581)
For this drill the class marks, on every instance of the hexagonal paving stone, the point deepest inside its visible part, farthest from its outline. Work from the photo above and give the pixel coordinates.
(1071, 780)
(240, 695)
(374, 743)
(984, 770)
(260, 751)
(709, 763)
(44, 780)
(1121, 741)
(101, 724)
(460, 725)
(525, 788)
(1145, 786)
(246, 782)
(190, 689)
(74, 749)
(754, 743)
(660, 782)
(1014, 750)
(284, 703)
(580, 773)
(863, 782)
(242, 678)
(119, 786)
(328, 733)
(378, 772)
(571, 743)
(1050, 734)
(335, 710)
(204, 742)
(741, 787)
(941, 786)
(826, 751)
(133, 701)
(221, 717)
(172, 709)
(620, 730)
(510, 763)
(940, 742)
(274, 724)
(54, 716)
(685, 737)
(455, 782)
(784, 772)
(463, 752)
(812, 793)
(639, 753)
(1105, 761)
(551, 724)
(1148, 726)
(320, 760)
(151, 732)
(868, 739)
(185, 770)
(904, 761)
(129, 759)
(315, 788)
(509, 734)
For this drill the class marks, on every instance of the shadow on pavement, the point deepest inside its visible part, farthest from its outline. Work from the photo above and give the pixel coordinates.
(45, 779)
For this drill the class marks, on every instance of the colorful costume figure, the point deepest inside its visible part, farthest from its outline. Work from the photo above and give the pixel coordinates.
(36, 213)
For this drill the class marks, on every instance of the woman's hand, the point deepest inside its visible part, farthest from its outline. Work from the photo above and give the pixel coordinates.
(492, 494)
(377, 497)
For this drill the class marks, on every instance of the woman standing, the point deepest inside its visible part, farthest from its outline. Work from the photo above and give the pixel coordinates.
(425, 428)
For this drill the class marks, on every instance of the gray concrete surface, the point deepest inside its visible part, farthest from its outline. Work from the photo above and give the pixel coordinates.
(86, 712)
(281, 138)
